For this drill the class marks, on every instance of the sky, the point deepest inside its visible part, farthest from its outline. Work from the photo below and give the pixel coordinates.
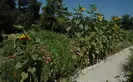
(107, 7)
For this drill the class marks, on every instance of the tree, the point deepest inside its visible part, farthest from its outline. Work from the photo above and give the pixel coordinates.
(23, 18)
(6, 21)
(53, 10)
(22, 3)
(63, 24)
(27, 12)
(35, 7)
(127, 22)
(31, 5)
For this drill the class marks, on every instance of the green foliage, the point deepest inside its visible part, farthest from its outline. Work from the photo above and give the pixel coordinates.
(127, 22)
(128, 67)
(53, 10)
(130, 36)
(95, 38)
(27, 13)
(58, 45)
(63, 23)
(37, 55)
(24, 18)
(46, 56)
(23, 59)
(35, 7)
(7, 71)
(6, 21)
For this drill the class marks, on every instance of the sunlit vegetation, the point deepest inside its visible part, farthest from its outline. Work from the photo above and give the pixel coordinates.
(55, 44)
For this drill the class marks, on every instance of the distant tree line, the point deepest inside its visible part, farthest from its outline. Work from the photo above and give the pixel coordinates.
(127, 22)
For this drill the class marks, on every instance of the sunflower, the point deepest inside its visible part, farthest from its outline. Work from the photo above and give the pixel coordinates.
(24, 37)
(94, 9)
(82, 9)
(98, 13)
(116, 19)
(99, 18)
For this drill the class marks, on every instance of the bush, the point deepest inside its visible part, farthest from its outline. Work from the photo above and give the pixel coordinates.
(42, 56)
(128, 67)
(59, 46)
(130, 36)
(128, 40)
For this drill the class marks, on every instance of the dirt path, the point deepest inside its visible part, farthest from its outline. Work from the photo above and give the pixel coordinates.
(106, 70)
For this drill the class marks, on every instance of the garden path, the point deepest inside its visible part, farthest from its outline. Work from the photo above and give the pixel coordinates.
(107, 70)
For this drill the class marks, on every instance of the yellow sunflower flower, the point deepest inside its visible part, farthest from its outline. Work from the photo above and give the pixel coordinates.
(24, 37)
(94, 9)
(99, 18)
(116, 19)
(82, 9)
(98, 13)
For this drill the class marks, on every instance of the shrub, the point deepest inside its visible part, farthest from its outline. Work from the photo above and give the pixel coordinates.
(128, 67)
(42, 56)
(128, 40)
(130, 36)
(59, 46)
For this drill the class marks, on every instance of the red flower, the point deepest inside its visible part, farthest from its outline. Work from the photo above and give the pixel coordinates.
(43, 57)
(12, 57)
(46, 61)
(48, 58)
